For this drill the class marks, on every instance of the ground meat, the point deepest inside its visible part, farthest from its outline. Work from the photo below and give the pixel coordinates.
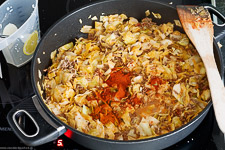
(80, 89)
(106, 67)
(147, 22)
(118, 61)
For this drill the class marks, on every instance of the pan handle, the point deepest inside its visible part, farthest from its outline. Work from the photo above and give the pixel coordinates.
(32, 125)
(219, 29)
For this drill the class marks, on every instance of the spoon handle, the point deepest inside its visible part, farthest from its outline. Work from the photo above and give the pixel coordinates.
(4, 36)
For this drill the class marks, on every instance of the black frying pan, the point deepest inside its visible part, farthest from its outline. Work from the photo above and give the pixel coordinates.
(46, 126)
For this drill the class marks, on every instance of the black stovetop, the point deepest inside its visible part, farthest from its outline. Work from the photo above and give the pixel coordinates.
(18, 87)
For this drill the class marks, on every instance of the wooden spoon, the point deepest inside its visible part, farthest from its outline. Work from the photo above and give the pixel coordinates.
(197, 24)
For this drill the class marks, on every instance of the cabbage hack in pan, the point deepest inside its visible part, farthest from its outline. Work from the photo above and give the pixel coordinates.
(128, 80)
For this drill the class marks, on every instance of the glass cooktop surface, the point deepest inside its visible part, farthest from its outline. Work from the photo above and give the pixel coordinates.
(16, 87)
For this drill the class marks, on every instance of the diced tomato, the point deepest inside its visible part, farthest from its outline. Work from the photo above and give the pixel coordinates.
(156, 81)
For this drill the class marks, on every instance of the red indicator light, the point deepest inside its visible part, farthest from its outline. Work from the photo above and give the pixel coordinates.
(60, 143)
